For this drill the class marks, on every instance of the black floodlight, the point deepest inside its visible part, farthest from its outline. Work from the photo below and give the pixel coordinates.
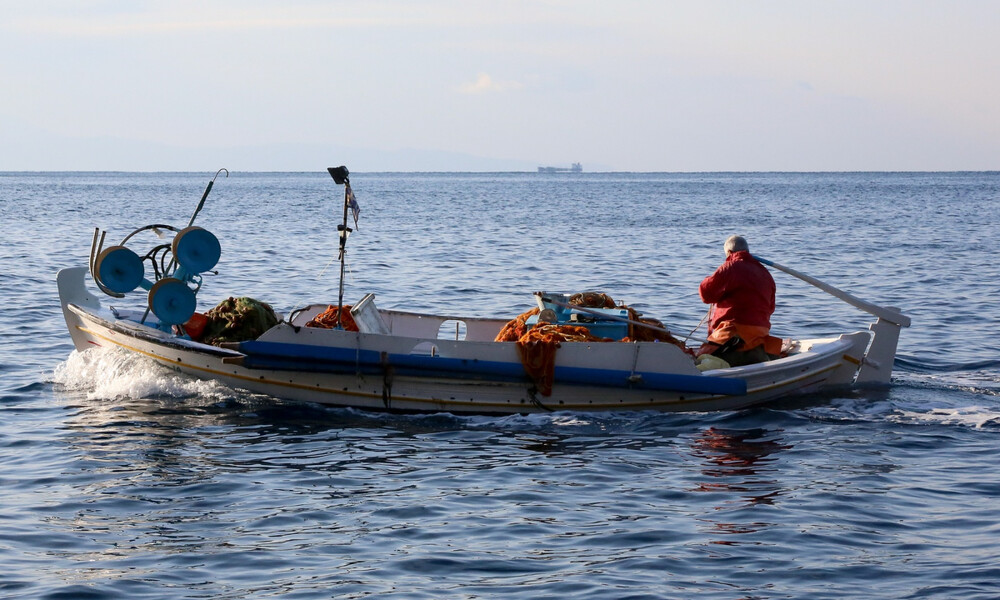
(339, 174)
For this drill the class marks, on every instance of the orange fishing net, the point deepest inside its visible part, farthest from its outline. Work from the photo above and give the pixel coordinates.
(516, 327)
(537, 349)
(537, 346)
(328, 319)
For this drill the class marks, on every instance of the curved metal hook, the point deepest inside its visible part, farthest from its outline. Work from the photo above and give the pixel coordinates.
(205, 195)
(219, 171)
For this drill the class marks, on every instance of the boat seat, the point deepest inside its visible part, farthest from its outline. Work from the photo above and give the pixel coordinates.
(367, 316)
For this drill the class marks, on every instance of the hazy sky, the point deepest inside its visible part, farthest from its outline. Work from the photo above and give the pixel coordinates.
(626, 85)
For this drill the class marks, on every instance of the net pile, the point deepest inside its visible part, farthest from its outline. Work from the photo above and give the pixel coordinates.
(328, 319)
(237, 320)
(537, 346)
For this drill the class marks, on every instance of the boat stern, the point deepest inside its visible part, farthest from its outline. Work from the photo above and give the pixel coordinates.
(877, 362)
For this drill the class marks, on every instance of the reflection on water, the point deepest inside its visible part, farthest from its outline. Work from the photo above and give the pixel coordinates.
(740, 464)
(736, 452)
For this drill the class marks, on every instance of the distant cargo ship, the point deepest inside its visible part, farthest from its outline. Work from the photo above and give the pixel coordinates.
(576, 168)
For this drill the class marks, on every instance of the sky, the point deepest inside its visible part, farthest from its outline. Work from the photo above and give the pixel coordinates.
(498, 85)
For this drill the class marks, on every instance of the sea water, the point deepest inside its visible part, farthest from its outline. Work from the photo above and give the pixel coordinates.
(122, 479)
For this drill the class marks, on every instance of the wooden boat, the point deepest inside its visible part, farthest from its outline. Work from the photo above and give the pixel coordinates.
(401, 361)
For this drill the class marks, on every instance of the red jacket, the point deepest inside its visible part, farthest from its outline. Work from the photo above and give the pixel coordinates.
(742, 290)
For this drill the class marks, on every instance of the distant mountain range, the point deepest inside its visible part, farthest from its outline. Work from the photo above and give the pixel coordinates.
(26, 149)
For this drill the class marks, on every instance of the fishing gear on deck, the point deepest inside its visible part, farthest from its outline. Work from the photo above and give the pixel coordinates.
(177, 267)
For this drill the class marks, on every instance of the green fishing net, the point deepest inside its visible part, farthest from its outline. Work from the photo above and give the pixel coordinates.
(238, 320)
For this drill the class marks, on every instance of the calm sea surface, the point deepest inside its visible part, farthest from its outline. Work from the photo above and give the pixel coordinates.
(119, 479)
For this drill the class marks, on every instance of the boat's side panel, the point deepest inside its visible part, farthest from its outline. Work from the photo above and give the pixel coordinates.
(418, 325)
(823, 365)
(411, 388)
(429, 326)
(637, 366)
(391, 391)
(629, 357)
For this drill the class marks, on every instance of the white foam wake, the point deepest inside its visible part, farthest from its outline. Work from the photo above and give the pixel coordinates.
(975, 417)
(110, 373)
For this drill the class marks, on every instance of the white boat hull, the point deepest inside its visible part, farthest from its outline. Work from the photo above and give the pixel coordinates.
(410, 369)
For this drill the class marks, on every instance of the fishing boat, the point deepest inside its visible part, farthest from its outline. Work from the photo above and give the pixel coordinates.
(366, 357)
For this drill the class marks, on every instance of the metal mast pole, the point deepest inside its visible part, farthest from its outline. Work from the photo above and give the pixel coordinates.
(340, 176)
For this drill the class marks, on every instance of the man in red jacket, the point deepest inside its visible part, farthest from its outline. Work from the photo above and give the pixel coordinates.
(741, 291)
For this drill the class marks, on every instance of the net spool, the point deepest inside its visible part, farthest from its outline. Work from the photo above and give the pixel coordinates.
(119, 269)
(172, 301)
(196, 249)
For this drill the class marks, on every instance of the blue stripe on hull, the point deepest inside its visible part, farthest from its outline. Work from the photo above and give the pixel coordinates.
(326, 359)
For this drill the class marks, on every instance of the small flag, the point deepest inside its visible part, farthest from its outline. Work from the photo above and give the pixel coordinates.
(352, 203)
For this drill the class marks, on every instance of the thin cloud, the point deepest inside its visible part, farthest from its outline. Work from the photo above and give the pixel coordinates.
(143, 26)
(184, 16)
(484, 84)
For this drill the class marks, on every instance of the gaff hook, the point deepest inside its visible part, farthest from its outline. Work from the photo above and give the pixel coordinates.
(205, 195)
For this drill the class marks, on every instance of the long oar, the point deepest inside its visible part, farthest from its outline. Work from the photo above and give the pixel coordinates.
(882, 312)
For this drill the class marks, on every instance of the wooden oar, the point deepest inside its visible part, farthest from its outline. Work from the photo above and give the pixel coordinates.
(882, 312)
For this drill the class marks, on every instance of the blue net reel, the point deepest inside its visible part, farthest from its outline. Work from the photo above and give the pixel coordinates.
(172, 301)
(119, 269)
(196, 249)
(176, 268)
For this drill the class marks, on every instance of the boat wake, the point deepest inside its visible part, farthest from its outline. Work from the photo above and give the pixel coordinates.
(913, 365)
(974, 377)
(111, 373)
(975, 417)
(971, 400)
